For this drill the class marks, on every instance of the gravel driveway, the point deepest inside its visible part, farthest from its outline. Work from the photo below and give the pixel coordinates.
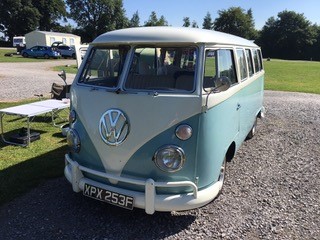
(271, 192)
(23, 80)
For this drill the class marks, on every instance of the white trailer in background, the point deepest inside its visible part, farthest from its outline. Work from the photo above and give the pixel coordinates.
(19, 42)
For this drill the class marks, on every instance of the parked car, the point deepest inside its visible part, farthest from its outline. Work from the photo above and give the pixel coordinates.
(66, 51)
(41, 51)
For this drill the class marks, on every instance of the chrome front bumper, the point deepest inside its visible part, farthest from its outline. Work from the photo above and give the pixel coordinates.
(148, 200)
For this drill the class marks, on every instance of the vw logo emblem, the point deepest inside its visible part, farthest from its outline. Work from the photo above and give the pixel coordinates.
(113, 127)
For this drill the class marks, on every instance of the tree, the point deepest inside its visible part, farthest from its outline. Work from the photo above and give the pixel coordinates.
(207, 22)
(237, 22)
(194, 24)
(186, 22)
(289, 36)
(50, 12)
(154, 21)
(135, 20)
(18, 17)
(95, 17)
(313, 52)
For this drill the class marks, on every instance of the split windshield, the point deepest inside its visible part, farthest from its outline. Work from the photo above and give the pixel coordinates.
(151, 68)
(162, 69)
(104, 67)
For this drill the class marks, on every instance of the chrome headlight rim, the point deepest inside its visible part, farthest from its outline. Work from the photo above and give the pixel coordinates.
(73, 140)
(159, 162)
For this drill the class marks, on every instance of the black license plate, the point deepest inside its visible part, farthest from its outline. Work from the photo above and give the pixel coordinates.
(104, 195)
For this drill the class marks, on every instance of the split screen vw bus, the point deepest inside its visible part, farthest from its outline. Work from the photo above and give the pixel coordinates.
(156, 112)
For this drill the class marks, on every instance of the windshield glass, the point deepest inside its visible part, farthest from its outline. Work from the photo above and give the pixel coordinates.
(104, 66)
(162, 69)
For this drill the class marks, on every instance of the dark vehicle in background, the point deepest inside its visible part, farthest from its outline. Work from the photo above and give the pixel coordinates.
(66, 51)
(41, 51)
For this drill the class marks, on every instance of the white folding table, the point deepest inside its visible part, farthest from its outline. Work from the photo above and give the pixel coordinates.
(31, 110)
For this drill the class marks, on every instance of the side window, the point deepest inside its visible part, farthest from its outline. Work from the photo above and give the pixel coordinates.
(260, 58)
(52, 40)
(241, 57)
(226, 65)
(71, 41)
(257, 63)
(249, 61)
(210, 69)
(219, 67)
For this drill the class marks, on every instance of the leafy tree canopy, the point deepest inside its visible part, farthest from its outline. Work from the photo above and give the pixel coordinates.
(98, 16)
(154, 21)
(135, 20)
(207, 22)
(194, 24)
(186, 22)
(237, 22)
(18, 17)
(287, 36)
(50, 13)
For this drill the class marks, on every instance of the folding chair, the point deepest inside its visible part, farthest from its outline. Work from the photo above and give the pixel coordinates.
(59, 91)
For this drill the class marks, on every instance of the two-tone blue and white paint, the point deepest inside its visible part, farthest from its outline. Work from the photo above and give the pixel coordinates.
(219, 122)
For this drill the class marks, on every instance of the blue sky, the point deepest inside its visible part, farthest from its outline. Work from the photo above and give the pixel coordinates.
(175, 10)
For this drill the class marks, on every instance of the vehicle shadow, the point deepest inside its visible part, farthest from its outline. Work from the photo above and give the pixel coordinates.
(20, 178)
(53, 211)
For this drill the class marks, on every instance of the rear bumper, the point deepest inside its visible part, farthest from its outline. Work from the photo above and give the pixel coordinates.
(148, 200)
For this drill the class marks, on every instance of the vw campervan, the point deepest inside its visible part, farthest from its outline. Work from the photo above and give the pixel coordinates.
(157, 112)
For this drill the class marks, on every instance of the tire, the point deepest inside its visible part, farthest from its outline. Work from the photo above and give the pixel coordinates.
(252, 131)
(25, 55)
(46, 56)
(73, 56)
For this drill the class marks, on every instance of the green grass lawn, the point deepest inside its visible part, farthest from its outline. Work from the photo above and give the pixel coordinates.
(70, 69)
(15, 57)
(292, 76)
(23, 168)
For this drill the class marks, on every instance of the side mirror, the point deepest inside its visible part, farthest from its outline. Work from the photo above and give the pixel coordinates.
(222, 84)
(63, 75)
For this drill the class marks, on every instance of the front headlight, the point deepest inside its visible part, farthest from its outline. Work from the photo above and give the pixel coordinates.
(73, 140)
(169, 158)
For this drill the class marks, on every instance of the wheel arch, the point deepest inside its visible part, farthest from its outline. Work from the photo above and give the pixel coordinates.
(231, 152)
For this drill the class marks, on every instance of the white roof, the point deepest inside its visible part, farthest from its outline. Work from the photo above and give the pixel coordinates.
(170, 35)
(54, 33)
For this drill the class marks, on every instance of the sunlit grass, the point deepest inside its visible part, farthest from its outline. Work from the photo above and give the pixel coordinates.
(293, 76)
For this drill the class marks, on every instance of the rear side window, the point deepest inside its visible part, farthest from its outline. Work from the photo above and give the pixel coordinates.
(257, 61)
(249, 61)
(260, 58)
(219, 64)
(241, 57)
(104, 67)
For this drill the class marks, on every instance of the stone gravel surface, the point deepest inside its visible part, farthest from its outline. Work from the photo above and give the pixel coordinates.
(20, 81)
(271, 192)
